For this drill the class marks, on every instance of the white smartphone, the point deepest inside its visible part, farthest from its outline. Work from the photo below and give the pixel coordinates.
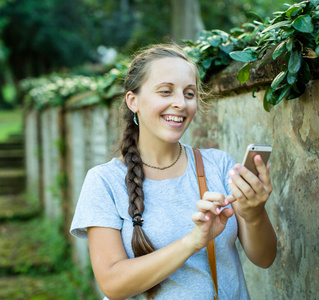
(251, 151)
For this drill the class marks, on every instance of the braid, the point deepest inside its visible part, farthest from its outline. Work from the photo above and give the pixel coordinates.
(141, 244)
(134, 179)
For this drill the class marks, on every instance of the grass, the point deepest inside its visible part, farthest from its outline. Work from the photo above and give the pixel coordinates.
(11, 122)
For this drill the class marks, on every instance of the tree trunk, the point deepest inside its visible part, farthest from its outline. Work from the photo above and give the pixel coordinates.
(186, 20)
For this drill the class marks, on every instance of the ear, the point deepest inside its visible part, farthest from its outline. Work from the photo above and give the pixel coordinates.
(131, 101)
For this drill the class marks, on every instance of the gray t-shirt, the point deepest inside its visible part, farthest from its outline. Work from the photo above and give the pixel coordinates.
(169, 205)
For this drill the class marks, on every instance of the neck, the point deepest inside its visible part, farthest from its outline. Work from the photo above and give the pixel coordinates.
(159, 154)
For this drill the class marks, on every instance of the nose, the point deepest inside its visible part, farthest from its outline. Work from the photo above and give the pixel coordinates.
(179, 100)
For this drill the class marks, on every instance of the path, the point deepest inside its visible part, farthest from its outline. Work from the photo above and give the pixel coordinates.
(30, 251)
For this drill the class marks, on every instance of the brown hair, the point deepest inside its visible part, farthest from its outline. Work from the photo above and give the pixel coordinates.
(135, 78)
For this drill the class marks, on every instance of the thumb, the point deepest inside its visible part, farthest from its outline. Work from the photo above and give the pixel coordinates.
(225, 214)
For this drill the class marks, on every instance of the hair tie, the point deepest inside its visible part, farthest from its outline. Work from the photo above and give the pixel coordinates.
(137, 222)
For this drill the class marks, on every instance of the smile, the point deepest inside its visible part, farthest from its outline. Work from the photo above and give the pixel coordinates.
(174, 119)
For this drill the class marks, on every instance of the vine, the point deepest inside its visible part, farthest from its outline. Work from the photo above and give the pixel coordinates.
(55, 89)
(294, 36)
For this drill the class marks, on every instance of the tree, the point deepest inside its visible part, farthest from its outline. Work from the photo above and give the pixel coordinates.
(186, 21)
(45, 35)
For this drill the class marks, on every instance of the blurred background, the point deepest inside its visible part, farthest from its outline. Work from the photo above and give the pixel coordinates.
(76, 37)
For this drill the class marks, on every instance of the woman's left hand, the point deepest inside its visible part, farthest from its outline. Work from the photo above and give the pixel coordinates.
(250, 191)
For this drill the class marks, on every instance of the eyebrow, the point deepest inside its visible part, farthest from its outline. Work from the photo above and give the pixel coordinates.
(170, 83)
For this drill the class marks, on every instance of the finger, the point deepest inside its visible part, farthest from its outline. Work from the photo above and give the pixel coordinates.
(254, 182)
(215, 197)
(265, 176)
(205, 206)
(226, 214)
(230, 198)
(199, 217)
(245, 181)
(262, 169)
(237, 193)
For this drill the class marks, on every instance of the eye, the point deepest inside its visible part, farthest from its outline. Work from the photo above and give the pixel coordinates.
(165, 92)
(190, 95)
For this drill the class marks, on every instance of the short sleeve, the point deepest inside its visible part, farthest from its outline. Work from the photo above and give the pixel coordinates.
(229, 163)
(95, 207)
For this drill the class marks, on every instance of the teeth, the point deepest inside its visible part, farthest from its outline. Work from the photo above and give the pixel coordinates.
(174, 118)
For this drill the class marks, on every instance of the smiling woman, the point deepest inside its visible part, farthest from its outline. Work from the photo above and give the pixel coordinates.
(147, 227)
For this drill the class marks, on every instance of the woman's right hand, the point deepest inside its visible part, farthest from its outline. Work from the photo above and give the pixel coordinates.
(209, 219)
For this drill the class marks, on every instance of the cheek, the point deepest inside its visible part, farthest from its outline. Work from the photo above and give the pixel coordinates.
(193, 109)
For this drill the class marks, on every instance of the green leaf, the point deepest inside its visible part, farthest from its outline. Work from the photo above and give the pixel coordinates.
(314, 2)
(204, 48)
(291, 78)
(292, 11)
(236, 31)
(243, 73)
(283, 91)
(295, 61)
(287, 33)
(317, 50)
(206, 63)
(264, 37)
(270, 96)
(277, 25)
(289, 44)
(279, 50)
(221, 33)
(296, 91)
(265, 103)
(278, 79)
(215, 40)
(304, 75)
(317, 38)
(227, 47)
(303, 23)
(243, 56)
(202, 73)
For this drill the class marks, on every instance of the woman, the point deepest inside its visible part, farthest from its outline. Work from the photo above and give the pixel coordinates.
(146, 226)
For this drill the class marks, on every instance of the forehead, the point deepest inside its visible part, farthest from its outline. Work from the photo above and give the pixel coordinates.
(171, 69)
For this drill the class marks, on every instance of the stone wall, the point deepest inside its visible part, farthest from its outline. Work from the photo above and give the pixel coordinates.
(75, 138)
(292, 128)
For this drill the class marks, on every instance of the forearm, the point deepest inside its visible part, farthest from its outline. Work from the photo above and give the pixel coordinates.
(259, 240)
(130, 277)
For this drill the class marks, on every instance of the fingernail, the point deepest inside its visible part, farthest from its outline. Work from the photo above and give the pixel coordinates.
(258, 157)
(218, 210)
(226, 201)
(206, 218)
(232, 172)
(230, 181)
(238, 167)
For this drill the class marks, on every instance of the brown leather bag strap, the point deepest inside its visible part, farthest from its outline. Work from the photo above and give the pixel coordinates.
(202, 189)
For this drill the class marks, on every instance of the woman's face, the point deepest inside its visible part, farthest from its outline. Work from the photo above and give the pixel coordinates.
(166, 102)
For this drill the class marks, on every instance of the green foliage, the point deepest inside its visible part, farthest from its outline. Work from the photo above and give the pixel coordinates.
(55, 89)
(227, 14)
(46, 35)
(39, 255)
(293, 36)
(10, 123)
(215, 49)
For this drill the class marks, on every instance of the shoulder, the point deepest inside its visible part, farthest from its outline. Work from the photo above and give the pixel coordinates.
(114, 167)
(212, 155)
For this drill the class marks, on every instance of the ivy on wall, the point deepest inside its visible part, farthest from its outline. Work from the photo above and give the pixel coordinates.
(293, 35)
(55, 89)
